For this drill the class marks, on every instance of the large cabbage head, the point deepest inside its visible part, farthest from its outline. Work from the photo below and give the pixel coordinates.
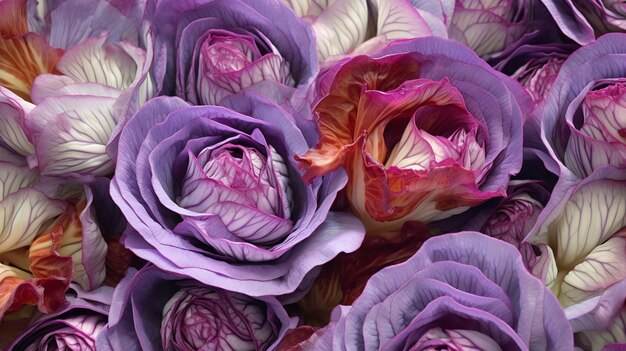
(418, 115)
(216, 194)
(463, 291)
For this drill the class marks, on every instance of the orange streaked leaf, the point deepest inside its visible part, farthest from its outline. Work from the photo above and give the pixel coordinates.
(400, 192)
(18, 289)
(22, 59)
(13, 18)
(50, 272)
(297, 339)
(43, 254)
(341, 124)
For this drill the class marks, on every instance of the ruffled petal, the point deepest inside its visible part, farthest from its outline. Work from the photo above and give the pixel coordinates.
(84, 242)
(603, 110)
(339, 26)
(71, 134)
(74, 21)
(598, 142)
(72, 247)
(484, 31)
(597, 340)
(592, 215)
(420, 195)
(270, 278)
(603, 267)
(14, 178)
(601, 60)
(570, 20)
(44, 255)
(13, 111)
(93, 60)
(396, 19)
(45, 86)
(18, 288)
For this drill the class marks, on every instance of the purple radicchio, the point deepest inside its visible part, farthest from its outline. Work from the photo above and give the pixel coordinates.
(536, 66)
(216, 194)
(515, 216)
(182, 314)
(214, 49)
(381, 119)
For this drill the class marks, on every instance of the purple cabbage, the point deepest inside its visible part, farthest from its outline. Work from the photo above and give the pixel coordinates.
(216, 195)
(459, 291)
(582, 20)
(536, 66)
(214, 49)
(491, 28)
(154, 310)
(515, 216)
(580, 120)
(380, 118)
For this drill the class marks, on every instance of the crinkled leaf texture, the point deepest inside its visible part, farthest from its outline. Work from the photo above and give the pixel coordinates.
(463, 290)
(182, 58)
(154, 154)
(25, 213)
(575, 150)
(583, 228)
(79, 113)
(379, 118)
(45, 243)
(346, 28)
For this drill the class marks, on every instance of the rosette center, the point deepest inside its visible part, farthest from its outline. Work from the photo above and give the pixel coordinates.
(230, 62)
(246, 188)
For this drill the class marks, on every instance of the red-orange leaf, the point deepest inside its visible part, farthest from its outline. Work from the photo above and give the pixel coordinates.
(13, 18)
